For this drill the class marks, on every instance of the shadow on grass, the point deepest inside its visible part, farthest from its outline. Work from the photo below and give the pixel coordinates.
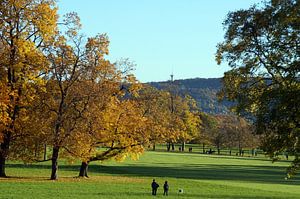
(264, 174)
(216, 196)
(200, 195)
(246, 158)
(225, 156)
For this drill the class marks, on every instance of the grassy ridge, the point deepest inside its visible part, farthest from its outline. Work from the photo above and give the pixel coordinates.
(201, 176)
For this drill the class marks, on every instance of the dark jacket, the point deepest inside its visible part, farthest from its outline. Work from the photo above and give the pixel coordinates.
(166, 186)
(154, 185)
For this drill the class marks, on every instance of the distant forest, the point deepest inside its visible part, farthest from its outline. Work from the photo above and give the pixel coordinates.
(203, 90)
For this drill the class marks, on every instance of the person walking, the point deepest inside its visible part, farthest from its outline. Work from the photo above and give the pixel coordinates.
(166, 188)
(154, 186)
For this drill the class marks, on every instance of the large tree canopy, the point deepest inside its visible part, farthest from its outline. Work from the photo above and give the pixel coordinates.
(262, 47)
(26, 28)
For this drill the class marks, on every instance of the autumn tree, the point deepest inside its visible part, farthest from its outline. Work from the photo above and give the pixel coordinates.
(209, 124)
(213, 131)
(83, 93)
(116, 132)
(33, 145)
(27, 27)
(262, 48)
(228, 131)
(233, 131)
(75, 70)
(172, 118)
(244, 135)
(218, 134)
(185, 120)
(113, 122)
(155, 106)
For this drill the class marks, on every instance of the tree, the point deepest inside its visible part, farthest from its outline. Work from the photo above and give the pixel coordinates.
(77, 75)
(185, 119)
(262, 48)
(86, 94)
(155, 106)
(207, 124)
(30, 147)
(26, 27)
(117, 132)
(235, 131)
(112, 100)
(113, 126)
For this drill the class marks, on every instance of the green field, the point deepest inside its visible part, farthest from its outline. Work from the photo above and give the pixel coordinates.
(200, 176)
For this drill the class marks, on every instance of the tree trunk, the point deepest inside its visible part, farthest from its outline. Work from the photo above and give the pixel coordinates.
(54, 163)
(36, 154)
(153, 147)
(182, 146)
(45, 151)
(84, 169)
(173, 147)
(168, 146)
(218, 147)
(2, 166)
(4, 149)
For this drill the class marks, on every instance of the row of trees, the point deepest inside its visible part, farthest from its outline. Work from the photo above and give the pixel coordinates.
(227, 131)
(59, 91)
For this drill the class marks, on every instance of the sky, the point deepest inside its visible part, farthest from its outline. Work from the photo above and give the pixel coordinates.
(160, 36)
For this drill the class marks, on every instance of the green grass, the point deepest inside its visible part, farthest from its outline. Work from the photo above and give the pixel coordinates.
(200, 176)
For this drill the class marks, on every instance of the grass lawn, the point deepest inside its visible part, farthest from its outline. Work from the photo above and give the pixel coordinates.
(200, 176)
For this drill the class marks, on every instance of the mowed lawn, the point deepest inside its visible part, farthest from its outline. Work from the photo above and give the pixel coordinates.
(200, 176)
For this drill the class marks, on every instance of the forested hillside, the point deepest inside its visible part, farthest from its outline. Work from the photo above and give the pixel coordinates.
(203, 90)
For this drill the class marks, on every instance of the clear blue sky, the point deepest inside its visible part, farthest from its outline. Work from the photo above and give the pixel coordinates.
(160, 36)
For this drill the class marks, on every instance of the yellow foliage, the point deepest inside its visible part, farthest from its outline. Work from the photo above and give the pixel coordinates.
(26, 25)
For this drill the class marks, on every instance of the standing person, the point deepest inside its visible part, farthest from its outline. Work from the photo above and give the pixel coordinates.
(166, 188)
(154, 186)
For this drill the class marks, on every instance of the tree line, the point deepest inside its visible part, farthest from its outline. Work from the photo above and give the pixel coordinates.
(59, 92)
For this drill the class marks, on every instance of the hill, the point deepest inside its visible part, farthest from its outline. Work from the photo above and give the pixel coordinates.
(203, 90)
